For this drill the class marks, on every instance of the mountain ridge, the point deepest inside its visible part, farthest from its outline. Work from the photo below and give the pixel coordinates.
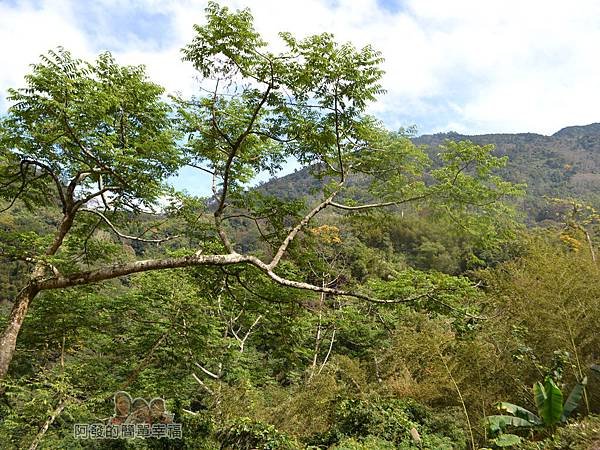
(564, 164)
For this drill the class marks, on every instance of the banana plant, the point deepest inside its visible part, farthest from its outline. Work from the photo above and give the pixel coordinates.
(550, 408)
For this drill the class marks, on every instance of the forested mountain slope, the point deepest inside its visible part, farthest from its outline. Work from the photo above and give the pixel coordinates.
(565, 164)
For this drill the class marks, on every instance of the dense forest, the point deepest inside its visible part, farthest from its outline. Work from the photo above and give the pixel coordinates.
(395, 292)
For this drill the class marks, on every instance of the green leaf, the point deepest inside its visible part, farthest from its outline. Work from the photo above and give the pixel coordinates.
(552, 407)
(519, 411)
(539, 395)
(573, 399)
(500, 422)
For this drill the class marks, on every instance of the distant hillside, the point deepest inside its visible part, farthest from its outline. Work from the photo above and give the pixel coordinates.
(566, 164)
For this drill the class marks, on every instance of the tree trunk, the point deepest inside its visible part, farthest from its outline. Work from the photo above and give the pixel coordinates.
(8, 339)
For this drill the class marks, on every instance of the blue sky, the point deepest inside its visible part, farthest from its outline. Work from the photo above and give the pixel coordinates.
(470, 66)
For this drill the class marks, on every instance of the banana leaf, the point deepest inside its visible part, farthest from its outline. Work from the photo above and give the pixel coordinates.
(573, 399)
(519, 411)
(499, 422)
(539, 395)
(550, 397)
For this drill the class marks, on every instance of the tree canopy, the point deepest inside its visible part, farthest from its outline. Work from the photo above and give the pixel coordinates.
(99, 139)
(250, 307)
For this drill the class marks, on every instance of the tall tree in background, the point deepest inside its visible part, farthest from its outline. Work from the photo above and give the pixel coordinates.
(98, 141)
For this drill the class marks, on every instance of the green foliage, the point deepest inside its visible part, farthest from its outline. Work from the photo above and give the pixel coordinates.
(365, 444)
(549, 402)
(582, 435)
(74, 117)
(244, 434)
(312, 88)
(438, 293)
(243, 361)
(358, 422)
(507, 440)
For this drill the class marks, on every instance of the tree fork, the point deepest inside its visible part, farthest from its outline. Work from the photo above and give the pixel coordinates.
(8, 338)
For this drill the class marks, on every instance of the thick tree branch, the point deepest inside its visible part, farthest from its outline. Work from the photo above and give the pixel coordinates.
(119, 270)
(292, 234)
(78, 178)
(196, 260)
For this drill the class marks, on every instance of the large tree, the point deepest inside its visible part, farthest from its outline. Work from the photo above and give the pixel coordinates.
(98, 141)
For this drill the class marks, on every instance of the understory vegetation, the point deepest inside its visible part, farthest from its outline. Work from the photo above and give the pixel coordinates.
(402, 305)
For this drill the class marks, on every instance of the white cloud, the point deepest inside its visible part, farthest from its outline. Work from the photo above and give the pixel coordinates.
(467, 65)
(27, 31)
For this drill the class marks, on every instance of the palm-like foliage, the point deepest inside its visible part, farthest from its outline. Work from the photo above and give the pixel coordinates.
(550, 408)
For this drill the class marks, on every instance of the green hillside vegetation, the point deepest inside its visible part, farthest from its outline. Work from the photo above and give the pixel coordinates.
(387, 295)
(564, 165)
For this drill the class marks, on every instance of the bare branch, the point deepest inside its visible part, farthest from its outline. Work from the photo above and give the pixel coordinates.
(223, 236)
(79, 177)
(379, 205)
(328, 351)
(88, 153)
(292, 234)
(201, 383)
(207, 372)
(235, 146)
(24, 183)
(148, 357)
(40, 435)
(125, 236)
(243, 341)
(452, 308)
(361, 207)
(275, 138)
(195, 166)
(100, 193)
(214, 118)
(20, 190)
(256, 222)
(49, 171)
